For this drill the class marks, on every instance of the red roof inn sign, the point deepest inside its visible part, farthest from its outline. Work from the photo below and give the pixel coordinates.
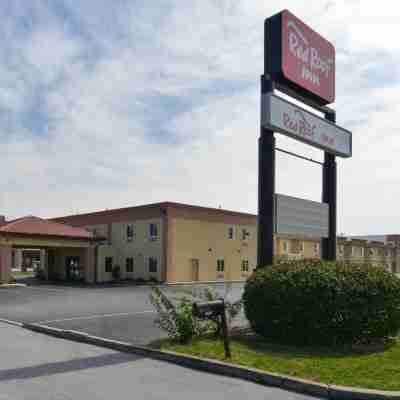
(301, 57)
(301, 64)
(281, 116)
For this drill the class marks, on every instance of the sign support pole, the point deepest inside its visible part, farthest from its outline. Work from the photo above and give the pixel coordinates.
(266, 190)
(329, 195)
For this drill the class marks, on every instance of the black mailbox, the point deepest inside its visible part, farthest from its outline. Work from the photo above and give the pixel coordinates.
(208, 309)
(214, 310)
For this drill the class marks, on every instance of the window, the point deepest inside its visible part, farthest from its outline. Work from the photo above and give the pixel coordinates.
(109, 264)
(285, 247)
(153, 231)
(129, 264)
(341, 249)
(316, 248)
(231, 232)
(295, 246)
(245, 234)
(130, 232)
(245, 266)
(358, 251)
(220, 265)
(152, 264)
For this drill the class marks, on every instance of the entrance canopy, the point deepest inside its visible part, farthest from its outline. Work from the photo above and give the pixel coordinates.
(34, 232)
(34, 229)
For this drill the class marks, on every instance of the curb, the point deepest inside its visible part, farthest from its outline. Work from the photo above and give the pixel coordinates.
(12, 285)
(9, 322)
(218, 367)
(201, 283)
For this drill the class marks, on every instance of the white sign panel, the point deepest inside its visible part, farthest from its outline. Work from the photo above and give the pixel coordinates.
(281, 116)
(295, 216)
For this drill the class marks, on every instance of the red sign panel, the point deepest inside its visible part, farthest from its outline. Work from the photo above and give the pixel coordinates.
(307, 58)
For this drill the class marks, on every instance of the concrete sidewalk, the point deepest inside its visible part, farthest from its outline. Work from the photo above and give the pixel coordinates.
(39, 367)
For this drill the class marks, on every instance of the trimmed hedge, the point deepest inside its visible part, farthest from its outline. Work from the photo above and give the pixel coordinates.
(317, 302)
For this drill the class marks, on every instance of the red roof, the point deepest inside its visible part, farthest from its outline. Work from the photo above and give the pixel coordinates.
(38, 226)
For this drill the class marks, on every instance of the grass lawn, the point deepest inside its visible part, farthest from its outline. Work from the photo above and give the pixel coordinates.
(377, 368)
(21, 274)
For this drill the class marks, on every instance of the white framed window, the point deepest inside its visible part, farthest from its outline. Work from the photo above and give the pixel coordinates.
(231, 232)
(245, 234)
(357, 251)
(129, 264)
(245, 265)
(153, 231)
(153, 264)
(130, 232)
(108, 264)
(220, 265)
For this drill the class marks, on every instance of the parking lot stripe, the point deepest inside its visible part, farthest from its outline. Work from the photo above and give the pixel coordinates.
(97, 316)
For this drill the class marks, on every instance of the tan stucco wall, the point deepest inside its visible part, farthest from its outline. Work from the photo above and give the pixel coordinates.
(192, 239)
(140, 248)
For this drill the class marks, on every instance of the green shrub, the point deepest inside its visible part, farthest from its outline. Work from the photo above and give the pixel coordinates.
(174, 315)
(316, 302)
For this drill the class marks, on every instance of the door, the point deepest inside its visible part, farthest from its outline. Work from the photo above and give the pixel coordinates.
(195, 269)
(73, 270)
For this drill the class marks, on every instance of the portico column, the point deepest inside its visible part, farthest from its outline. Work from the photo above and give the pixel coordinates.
(5, 263)
(90, 264)
(43, 263)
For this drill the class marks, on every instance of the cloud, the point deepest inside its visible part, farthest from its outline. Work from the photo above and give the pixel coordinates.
(104, 107)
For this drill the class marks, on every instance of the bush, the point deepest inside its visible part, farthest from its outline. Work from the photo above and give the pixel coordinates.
(175, 314)
(176, 317)
(316, 302)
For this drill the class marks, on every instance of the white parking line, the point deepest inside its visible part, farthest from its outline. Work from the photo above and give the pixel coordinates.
(97, 316)
(45, 288)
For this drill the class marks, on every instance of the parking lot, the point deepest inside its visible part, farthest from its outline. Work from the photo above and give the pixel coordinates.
(116, 312)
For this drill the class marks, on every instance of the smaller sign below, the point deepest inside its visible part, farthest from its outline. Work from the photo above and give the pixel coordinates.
(294, 216)
(282, 116)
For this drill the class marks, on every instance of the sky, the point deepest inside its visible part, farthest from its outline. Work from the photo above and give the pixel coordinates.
(107, 104)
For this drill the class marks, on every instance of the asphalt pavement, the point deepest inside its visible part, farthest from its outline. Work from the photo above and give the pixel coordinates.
(116, 312)
(39, 367)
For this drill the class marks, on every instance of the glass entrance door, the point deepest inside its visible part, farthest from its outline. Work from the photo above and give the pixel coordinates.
(73, 270)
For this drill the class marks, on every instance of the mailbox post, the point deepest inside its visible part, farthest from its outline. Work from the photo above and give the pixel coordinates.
(215, 311)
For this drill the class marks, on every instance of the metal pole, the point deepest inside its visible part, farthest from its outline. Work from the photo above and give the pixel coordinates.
(329, 195)
(225, 333)
(266, 190)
